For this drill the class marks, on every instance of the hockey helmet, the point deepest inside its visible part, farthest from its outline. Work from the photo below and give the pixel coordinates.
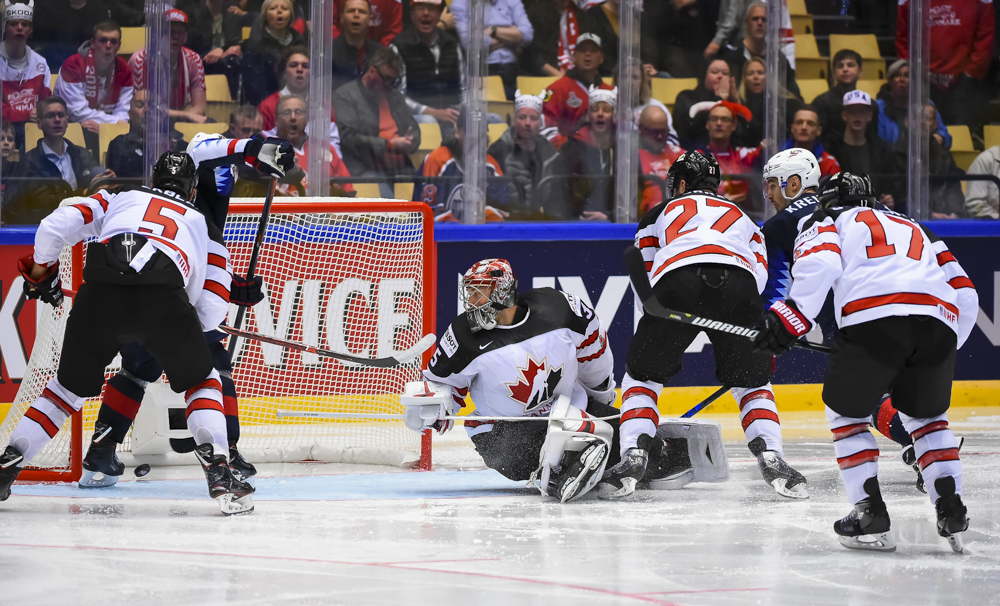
(488, 288)
(847, 189)
(176, 172)
(698, 170)
(789, 163)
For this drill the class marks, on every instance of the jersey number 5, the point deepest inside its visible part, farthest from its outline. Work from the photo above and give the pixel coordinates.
(154, 214)
(880, 247)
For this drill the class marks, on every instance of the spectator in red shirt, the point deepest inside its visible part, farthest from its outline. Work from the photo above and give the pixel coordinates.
(188, 101)
(806, 130)
(293, 68)
(721, 124)
(352, 47)
(96, 83)
(566, 100)
(292, 116)
(386, 20)
(656, 154)
(24, 73)
(961, 48)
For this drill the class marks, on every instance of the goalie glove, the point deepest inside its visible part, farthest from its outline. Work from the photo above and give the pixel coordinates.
(780, 327)
(246, 293)
(270, 155)
(426, 406)
(48, 288)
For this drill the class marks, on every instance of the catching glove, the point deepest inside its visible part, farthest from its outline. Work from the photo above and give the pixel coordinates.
(780, 327)
(48, 288)
(269, 156)
(246, 293)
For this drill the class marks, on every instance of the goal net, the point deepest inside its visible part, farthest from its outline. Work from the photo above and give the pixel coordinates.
(352, 277)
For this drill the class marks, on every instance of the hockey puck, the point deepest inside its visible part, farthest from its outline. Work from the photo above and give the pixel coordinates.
(142, 470)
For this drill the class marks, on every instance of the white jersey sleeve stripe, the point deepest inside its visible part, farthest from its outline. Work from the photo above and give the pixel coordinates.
(67, 226)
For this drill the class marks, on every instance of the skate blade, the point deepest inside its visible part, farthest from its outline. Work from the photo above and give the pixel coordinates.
(869, 542)
(96, 479)
(607, 491)
(674, 482)
(594, 459)
(956, 542)
(795, 492)
(231, 505)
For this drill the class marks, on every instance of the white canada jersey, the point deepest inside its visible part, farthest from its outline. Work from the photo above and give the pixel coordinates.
(700, 228)
(556, 349)
(879, 264)
(170, 225)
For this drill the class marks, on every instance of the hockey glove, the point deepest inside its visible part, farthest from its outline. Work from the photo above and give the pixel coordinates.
(48, 288)
(780, 327)
(246, 293)
(269, 156)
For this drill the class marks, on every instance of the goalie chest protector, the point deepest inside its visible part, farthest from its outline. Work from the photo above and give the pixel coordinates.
(516, 370)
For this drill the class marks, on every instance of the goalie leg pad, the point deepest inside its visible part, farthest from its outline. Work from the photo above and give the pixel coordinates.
(704, 449)
(575, 452)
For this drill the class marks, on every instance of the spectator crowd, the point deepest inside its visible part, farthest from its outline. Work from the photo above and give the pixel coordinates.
(398, 81)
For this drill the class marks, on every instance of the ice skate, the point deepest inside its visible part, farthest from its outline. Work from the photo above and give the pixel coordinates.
(786, 481)
(101, 466)
(232, 494)
(242, 469)
(952, 518)
(9, 470)
(576, 470)
(670, 465)
(620, 481)
(867, 527)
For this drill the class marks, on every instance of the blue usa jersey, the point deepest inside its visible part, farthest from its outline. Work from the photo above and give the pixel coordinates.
(779, 237)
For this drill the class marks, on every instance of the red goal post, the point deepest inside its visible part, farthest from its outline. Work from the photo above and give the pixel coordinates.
(354, 276)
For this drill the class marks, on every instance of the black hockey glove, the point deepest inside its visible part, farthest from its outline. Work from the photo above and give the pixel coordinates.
(269, 156)
(780, 327)
(246, 293)
(48, 288)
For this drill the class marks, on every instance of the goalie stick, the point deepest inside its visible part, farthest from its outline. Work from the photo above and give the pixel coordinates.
(402, 357)
(636, 267)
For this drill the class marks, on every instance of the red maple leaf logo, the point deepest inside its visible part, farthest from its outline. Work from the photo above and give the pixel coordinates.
(536, 384)
(521, 391)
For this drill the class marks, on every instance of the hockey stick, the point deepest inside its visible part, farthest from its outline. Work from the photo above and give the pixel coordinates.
(701, 405)
(636, 267)
(402, 357)
(254, 255)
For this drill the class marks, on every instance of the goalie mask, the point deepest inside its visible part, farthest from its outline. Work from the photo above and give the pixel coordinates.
(847, 189)
(488, 288)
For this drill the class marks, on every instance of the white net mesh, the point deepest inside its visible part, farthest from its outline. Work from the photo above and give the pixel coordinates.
(351, 282)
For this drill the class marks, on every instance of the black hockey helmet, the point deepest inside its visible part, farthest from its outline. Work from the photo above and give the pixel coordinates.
(699, 170)
(176, 172)
(847, 189)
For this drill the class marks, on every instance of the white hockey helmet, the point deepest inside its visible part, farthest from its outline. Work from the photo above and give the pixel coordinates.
(791, 162)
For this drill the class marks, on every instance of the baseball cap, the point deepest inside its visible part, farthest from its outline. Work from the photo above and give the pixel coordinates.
(857, 97)
(588, 36)
(434, 2)
(177, 15)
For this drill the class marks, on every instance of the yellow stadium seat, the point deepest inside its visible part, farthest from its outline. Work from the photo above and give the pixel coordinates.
(217, 89)
(496, 131)
(809, 64)
(865, 45)
(430, 139)
(812, 88)
(871, 87)
(246, 33)
(74, 134)
(133, 38)
(991, 135)
(796, 7)
(534, 85)
(367, 190)
(496, 98)
(402, 191)
(961, 146)
(665, 90)
(802, 24)
(190, 129)
(106, 134)
(52, 82)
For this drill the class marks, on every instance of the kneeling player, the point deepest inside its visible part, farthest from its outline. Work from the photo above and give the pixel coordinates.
(703, 256)
(215, 158)
(904, 305)
(146, 281)
(538, 354)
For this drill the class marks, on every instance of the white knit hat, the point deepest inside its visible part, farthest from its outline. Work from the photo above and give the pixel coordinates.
(601, 94)
(24, 12)
(532, 101)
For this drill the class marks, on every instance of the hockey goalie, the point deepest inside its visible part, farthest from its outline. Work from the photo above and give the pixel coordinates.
(544, 357)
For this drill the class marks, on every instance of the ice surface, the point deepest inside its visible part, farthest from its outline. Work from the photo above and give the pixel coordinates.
(335, 534)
